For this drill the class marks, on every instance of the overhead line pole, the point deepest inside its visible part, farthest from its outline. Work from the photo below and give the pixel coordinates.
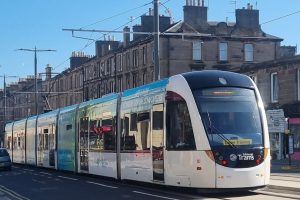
(4, 90)
(156, 40)
(36, 89)
(35, 73)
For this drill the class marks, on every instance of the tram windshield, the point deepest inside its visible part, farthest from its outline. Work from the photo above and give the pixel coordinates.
(230, 116)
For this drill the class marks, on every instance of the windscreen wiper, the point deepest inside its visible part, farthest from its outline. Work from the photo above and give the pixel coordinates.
(219, 133)
(222, 136)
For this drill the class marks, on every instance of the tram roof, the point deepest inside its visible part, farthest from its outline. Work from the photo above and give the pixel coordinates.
(212, 78)
(103, 99)
(147, 87)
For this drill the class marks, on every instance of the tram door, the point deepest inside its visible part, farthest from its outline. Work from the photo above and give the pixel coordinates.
(83, 144)
(52, 145)
(158, 142)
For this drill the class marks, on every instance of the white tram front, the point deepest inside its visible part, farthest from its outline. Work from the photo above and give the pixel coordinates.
(216, 132)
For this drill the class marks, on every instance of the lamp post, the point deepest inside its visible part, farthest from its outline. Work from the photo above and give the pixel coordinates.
(35, 50)
(156, 40)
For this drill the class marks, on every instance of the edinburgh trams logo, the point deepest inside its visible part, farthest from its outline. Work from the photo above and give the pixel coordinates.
(233, 157)
(244, 156)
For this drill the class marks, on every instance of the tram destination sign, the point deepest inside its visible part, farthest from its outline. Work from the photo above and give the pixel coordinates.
(276, 121)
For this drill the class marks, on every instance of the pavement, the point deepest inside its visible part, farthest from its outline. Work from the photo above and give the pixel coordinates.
(285, 175)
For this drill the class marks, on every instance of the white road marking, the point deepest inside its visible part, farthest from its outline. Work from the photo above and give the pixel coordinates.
(153, 195)
(74, 179)
(30, 170)
(41, 182)
(102, 184)
(45, 173)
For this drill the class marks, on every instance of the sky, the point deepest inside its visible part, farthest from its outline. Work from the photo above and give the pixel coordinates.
(38, 23)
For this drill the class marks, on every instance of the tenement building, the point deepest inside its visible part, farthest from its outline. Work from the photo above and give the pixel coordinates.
(191, 44)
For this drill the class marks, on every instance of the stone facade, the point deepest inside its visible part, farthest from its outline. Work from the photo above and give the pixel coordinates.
(192, 44)
(287, 70)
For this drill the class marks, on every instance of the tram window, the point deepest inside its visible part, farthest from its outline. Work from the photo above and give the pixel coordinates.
(108, 134)
(19, 142)
(126, 126)
(8, 143)
(95, 136)
(15, 143)
(179, 130)
(46, 144)
(83, 132)
(143, 116)
(142, 139)
(69, 127)
(22, 141)
(158, 120)
(133, 122)
(41, 141)
(127, 141)
(51, 141)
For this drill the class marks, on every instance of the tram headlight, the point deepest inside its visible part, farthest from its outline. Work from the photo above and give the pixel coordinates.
(210, 154)
(266, 152)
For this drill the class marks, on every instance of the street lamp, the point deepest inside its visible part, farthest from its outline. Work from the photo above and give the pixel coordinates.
(35, 72)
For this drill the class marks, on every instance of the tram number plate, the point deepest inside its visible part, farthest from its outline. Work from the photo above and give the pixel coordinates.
(238, 142)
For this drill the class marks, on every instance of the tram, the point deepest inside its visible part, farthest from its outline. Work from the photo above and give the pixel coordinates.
(203, 129)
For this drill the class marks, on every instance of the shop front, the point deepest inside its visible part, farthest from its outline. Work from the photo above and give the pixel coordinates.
(294, 127)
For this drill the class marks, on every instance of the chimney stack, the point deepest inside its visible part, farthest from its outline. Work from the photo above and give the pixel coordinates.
(247, 18)
(48, 72)
(126, 36)
(195, 14)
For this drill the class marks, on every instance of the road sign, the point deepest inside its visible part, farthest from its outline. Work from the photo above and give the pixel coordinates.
(276, 121)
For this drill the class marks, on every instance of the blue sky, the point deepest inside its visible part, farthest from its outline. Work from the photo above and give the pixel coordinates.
(30, 23)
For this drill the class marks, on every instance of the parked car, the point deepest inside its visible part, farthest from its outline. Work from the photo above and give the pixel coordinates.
(5, 161)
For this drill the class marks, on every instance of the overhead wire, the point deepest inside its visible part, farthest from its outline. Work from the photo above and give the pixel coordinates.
(116, 15)
(280, 17)
(90, 43)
